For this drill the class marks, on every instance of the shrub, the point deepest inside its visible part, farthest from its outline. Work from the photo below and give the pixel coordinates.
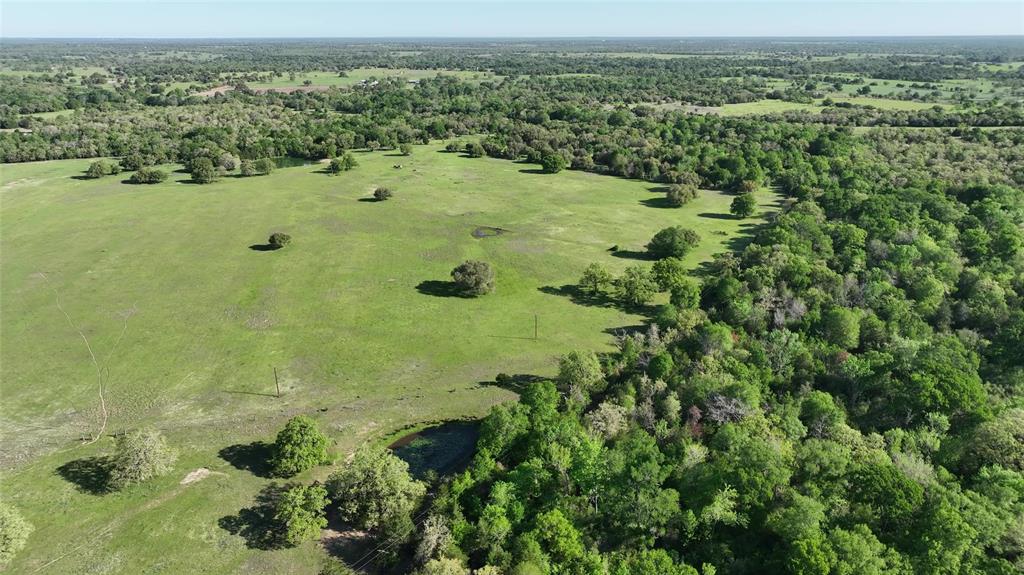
(474, 150)
(299, 446)
(673, 242)
(552, 163)
(405, 149)
(279, 240)
(203, 171)
(14, 532)
(474, 277)
(343, 164)
(453, 146)
(743, 205)
(299, 513)
(148, 176)
(680, 194)
(100, 168)
(381, 194)
(140, 456)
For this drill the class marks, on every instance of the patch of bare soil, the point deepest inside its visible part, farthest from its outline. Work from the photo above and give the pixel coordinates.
(199, 475)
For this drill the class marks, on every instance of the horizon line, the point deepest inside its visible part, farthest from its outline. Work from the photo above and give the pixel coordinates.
(520, 37)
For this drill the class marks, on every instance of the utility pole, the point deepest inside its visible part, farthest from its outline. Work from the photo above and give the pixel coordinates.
(277, 383)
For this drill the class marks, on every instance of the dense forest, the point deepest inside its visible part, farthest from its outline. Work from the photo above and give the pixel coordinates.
(842, 395)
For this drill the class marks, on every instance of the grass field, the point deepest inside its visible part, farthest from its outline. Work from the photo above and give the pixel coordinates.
(776, 106)
(187, 324)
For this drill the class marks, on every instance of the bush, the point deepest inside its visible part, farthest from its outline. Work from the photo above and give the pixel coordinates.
(679, 195)
(279, 240)
(474, 277)
(148, 176)
(299, 513)
(405, 149)
(474, 150)
(743, 205)
(14, 532)
(381, 194)
(343, 164)
(673, 242)
(552, 163)
(203, 171)
(299, 446)
(100, 168)
(140, 456)
(453, 146)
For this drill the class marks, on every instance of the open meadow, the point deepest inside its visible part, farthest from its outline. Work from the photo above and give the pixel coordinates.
(165, 295)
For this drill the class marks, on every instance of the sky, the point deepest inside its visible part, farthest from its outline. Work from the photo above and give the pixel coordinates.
(505, 18)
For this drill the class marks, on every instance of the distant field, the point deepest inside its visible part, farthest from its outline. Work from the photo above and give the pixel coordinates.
(353, 77)
(775, 106)
(188, 323)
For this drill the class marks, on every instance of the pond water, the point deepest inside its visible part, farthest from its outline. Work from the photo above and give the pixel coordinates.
(290, 162)
(445, 448)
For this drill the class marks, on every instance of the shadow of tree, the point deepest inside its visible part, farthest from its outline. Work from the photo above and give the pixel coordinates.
(633, 255)
(516, 383)
(717, 216)
(253, 457)
(264, 248)
(90, 475)
(256, 524)
(532, 171)
(440, 289)
(660, 203)
(602, 299)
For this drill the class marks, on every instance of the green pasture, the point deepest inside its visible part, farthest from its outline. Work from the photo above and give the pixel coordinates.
(188, 318)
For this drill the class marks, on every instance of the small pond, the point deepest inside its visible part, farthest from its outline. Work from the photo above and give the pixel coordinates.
(445, 448)
(290, 162)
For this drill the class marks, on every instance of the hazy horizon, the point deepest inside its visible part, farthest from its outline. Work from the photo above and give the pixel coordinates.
(508, 19)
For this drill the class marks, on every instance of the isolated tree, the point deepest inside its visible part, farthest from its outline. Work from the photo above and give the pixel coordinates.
(98, 169)
(381, 194)
(300, 513)
(203, 171)
(474, 150)
(14, 532)
(635, 285)
(595, 279)
(680, 194)
(673, 242)
(743, 205)
(474, 277)
(343, 164)
(279, 240)
(140, 456)
(374, 489)
(148, 176)
(299, 446)
(552, 163)
(264, 166)
(405, 149)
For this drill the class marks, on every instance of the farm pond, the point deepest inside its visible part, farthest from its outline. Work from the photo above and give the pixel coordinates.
(443, 449)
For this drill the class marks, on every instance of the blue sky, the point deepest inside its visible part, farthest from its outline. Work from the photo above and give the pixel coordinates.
(506, 18)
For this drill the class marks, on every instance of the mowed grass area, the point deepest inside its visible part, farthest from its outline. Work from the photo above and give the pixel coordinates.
(187, 324)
